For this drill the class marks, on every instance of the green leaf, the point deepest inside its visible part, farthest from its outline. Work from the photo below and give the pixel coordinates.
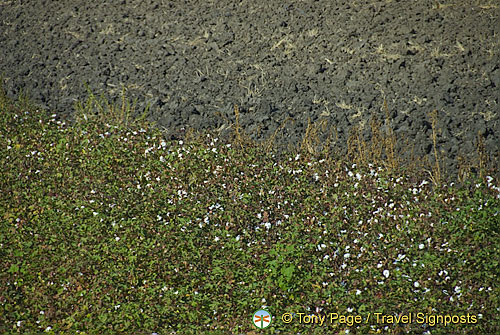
(14, 268)
(288, 272)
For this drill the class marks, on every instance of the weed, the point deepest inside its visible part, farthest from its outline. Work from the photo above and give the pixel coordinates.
(435, 174)
(106, 227)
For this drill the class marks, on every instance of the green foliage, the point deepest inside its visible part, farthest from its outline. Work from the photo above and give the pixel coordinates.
(105, 227)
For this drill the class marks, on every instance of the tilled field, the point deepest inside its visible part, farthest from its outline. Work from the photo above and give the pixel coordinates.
(327, 61)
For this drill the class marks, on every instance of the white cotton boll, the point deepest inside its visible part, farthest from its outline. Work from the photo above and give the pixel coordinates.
(386, 273)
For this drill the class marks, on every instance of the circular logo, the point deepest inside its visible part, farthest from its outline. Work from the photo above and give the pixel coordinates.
(262, 319)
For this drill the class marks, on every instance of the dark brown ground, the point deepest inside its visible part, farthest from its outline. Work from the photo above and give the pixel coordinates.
(325, 60)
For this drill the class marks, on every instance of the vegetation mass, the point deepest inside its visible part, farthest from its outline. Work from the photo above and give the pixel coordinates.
(108, 227)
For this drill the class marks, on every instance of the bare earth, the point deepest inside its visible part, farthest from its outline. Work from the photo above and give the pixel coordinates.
(336, 61)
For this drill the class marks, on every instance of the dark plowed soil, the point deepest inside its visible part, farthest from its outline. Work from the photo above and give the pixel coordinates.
(336, 61)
